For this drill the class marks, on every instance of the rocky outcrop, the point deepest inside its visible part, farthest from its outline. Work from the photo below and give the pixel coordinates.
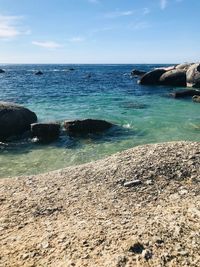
(193, 76)
(85, 216)
(196, 98)
(85, 127)
(187, 74)
(14, 120)
(176, 77)
(152, 77)
(39, 73)
(45, 132)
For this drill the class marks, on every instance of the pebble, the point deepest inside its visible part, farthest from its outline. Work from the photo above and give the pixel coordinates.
(132, 183)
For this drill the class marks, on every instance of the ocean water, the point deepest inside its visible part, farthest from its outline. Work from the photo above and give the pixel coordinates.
(143, 114)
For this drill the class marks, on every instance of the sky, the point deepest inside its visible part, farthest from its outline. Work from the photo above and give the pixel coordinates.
(99, 31)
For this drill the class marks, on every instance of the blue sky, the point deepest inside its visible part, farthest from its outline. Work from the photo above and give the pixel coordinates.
(99, 31)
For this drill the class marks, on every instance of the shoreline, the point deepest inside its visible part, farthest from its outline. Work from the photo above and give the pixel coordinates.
(85, 216)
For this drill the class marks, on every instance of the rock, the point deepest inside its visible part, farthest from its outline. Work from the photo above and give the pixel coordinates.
(152, 77)
(147, 254)
(132, 183)
(166, 68)
(39, 73)
(71, 69)
(196, 98)
(174, 77)
(14, 120)
(45, 132)
(193, 76)
(134, 105)
(184, 66)
(2, 71)
(85, 127)
(138, 72)
(137, 248)
(185, 93)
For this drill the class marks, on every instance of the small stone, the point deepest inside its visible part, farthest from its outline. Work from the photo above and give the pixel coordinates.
(25, 256)
(149, 182)
(137, 248)
(45, 244)
(147, 254)
(183, 192)
(132, 183)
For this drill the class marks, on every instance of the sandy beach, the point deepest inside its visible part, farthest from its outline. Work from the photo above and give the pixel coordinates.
(86, 216)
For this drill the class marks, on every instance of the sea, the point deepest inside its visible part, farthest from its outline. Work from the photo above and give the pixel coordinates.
(142, 114)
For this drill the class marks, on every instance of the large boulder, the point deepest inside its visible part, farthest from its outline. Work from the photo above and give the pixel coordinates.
(85, 127)
(184, 66)
(152, 77)
(14, 120)
(193, 76)
(176, 77)
(45, 132)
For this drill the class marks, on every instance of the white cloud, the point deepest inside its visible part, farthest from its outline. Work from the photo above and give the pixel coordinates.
(163, 4)
(9, 27)
(77, 39)
(47, 44)
(117, 14)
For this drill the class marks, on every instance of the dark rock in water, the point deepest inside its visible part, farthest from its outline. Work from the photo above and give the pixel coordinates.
(176, 77)
(185, 93)
(39, 73)
(193, 76)
(71, 69)
(85, 127)
(2, 71)
(138, 72)
(152, 77)
(184, 66)
(14, 120)
(45, 132)
(134, 105)
(196, 98)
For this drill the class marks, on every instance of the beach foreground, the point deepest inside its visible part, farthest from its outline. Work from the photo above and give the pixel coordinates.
(85, 216)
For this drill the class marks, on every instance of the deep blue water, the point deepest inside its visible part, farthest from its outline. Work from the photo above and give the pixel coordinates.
(144, 114)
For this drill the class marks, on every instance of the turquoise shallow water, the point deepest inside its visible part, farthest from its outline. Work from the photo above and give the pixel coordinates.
(144, 114)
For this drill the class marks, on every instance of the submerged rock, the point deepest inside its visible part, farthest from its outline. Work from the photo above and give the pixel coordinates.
(85, 127)
(196, 98)
(14, 119)
(176, 77)
(193, 76)
(152, 77)
(45, 132)
(185, 93)
(39, 73)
